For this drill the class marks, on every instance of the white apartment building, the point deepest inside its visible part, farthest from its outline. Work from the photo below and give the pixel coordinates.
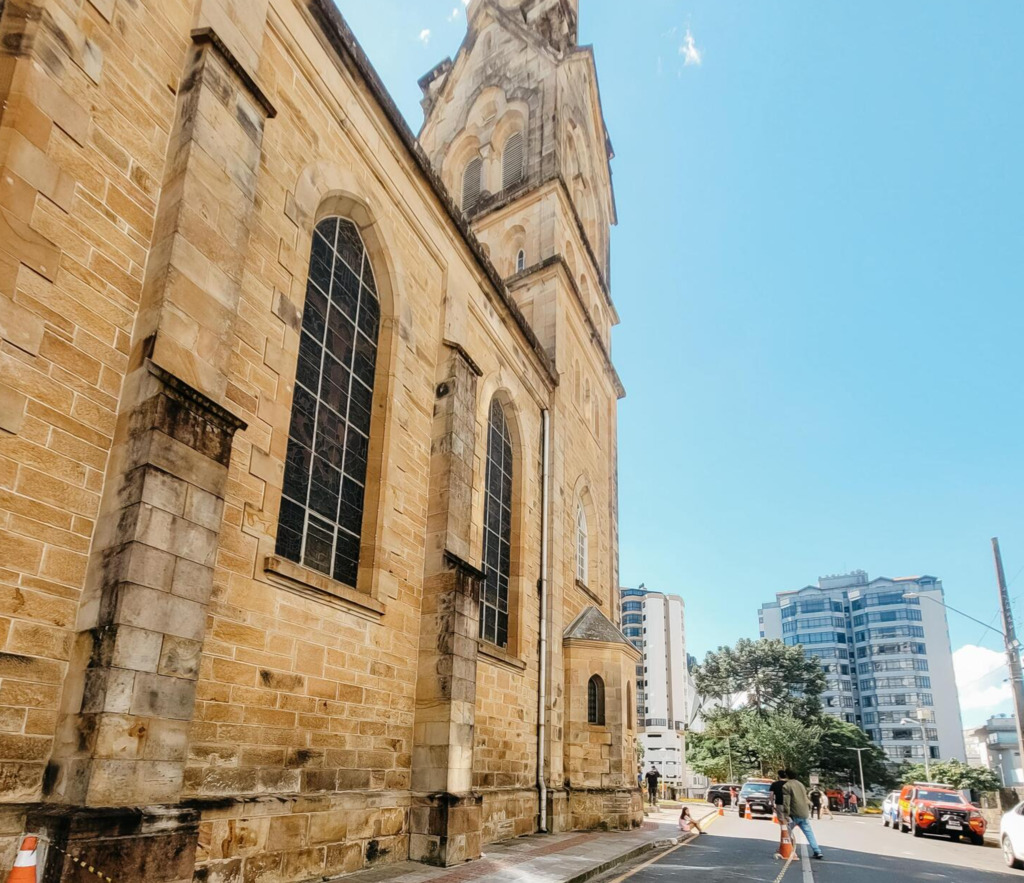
(995, 745)
(667, 703)
(886, 656)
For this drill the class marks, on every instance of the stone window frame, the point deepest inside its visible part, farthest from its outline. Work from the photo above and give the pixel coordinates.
(596, 701)
(322, 191)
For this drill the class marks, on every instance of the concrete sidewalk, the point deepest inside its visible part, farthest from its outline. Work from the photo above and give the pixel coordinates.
(541, 858)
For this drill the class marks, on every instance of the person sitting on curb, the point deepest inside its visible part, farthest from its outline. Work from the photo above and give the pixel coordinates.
(687, 824)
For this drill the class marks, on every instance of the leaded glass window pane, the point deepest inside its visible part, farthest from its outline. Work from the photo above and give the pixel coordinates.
(497, 555)
(582, 544)
(328, 439)
(595, 701)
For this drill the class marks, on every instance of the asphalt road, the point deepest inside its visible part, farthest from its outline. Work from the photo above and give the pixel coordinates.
(857, 850)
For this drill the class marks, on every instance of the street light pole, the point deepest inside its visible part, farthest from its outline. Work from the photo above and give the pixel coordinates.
(860, 765)
(924, 741)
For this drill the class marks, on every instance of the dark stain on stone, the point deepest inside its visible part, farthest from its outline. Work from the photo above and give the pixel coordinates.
(51, 775)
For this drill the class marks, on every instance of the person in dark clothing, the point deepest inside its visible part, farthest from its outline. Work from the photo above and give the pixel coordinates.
(652, 786)
(815, 796)
(777, 796)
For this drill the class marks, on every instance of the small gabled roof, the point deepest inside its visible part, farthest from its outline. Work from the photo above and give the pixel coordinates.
(592, 625)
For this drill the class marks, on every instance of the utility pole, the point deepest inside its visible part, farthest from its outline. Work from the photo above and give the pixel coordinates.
(860, 765)
(1012, 646)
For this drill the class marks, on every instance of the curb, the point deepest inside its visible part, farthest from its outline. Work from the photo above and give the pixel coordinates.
(635, 852)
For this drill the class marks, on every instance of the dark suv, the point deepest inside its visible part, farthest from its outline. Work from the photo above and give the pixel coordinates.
(757, 795)
(721, 792)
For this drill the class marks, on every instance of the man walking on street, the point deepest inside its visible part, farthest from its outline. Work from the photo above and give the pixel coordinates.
(652, 785)
(798, 810)
(777, 790)
(815, 796)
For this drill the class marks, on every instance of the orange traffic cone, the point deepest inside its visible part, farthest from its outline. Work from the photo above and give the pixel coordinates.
(785, 844)
(24, 870)
(775, 816)
(747, 813)
(721, 807)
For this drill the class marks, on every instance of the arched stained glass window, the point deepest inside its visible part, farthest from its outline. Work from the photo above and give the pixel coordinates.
(497, 529)
(582, 543)
(328, 440)
(471, 183)
(595, 701)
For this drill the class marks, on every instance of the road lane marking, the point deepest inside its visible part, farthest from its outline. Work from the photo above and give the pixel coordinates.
(703, 823)
(805, 860)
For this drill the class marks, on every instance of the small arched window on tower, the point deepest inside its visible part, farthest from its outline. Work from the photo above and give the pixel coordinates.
(520, 261)
(629, 706)
(471, 177)
(512, 161)
(582, 543)
(595, 701)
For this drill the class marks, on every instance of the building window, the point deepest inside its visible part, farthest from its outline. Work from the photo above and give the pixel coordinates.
(520, 261)
(629, 706)
(471, 178)
(497, 529)
(512, 161)
(328, 439)
(582, 543)
(595, 701)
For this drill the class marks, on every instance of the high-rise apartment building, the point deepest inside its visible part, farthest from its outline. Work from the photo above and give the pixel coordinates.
(884, 647)
(667, 703)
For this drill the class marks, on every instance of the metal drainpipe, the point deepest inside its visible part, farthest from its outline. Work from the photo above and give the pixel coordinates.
(542, 697)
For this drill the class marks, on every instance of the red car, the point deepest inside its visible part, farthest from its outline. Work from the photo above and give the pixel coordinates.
(928, 808)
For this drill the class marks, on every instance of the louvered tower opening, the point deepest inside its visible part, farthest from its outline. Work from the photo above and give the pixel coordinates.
(512, 161)
(471, 184)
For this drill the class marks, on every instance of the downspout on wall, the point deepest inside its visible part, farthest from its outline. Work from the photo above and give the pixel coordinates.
(542, 695)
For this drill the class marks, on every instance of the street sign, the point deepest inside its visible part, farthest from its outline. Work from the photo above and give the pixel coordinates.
(814, 778)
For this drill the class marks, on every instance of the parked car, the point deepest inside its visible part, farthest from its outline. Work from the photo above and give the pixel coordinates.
(757, 794)
(891, 810)
(1011, 836)
(931, 808)
(721, 792)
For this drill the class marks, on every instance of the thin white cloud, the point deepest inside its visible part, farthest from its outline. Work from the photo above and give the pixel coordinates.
(454, 14)
(688, 49)
(465, 2)
(981, 678)
(425, 36)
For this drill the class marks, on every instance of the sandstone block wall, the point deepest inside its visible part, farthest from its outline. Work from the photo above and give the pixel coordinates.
(163, 166)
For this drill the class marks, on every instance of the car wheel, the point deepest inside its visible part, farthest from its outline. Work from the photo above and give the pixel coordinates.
(1009, 856)
(917, 832)
(885, 822)
(904, 828)
(977, 839)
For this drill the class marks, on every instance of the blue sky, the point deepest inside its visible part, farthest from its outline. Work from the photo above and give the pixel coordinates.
(819, 266)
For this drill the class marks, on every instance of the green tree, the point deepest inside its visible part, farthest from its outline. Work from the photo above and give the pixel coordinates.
(781, 741)
(771, 675)
(836, 760)
(953, 773)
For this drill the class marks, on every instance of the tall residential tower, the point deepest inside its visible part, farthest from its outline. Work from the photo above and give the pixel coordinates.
(667, 703)
(884, 647)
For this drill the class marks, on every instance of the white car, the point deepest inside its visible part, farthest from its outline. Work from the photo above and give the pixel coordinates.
(1011, 836)
(891, 810)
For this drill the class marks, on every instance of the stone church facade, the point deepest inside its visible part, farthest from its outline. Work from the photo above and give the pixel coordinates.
(308, 540)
